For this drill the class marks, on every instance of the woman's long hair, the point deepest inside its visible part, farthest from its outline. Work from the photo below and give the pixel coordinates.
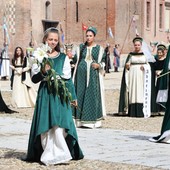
(16, 55)
(81, 52)
(52, 30)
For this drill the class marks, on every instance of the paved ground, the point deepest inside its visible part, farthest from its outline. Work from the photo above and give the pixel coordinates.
(112, 81)
(123, 146)
(131, 147)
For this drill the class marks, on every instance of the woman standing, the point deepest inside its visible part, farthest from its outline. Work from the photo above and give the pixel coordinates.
(23, 93)
(69, 53)
(160, 59)
(88, 81)
(158, 68)
(164, 99)
(107, 62)
(53, 137)
(135, 87)
(116, 55)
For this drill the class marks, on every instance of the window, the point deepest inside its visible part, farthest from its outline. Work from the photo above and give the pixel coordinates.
(148, 14)
(160, 16)
(167, 19)
(77, 12)
(47, 4)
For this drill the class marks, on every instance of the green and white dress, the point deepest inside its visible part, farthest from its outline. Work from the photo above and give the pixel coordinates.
(135, 87)
(89, 86)
(163, 98)
(53, 137)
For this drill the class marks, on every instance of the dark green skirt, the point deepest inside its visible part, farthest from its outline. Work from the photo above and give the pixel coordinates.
(50, 112)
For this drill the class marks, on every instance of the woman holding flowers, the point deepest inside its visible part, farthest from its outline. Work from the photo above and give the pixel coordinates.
(53, 137)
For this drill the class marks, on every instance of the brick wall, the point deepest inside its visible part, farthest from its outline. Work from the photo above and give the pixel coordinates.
(99, 13)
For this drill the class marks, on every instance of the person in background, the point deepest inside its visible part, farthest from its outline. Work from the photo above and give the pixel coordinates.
(69, 53)
(88, 81)
(153, 46)
(116, 54)
(107, 61)
(30, 50)
(163, 98)
(53, 137)
(5, 62)
(23, 92)
(158, 68)
(135, 86)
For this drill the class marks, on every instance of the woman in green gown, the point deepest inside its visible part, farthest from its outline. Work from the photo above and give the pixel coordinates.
(163, 98)
(88, 81)
(53, 137)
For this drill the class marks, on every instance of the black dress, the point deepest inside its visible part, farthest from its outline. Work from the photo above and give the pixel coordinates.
(158, 65)
(4, 107)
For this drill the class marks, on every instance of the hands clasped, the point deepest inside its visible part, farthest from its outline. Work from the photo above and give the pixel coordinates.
(95, 65)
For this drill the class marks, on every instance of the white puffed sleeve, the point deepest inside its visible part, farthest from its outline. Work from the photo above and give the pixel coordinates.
(35, 69)
(66, 69)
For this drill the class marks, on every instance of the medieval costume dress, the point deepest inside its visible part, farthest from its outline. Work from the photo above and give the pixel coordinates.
(5, 62)
(154, 105)
(107, 61)
(4, 107)
(158, 68)
(23, 93)
(163, 98)
(69, 53)
(135, 87)
(53, 137)
(151, 60)
(116, 61)
(89, 86)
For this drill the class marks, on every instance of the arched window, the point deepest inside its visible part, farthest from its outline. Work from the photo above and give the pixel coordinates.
(47, 5)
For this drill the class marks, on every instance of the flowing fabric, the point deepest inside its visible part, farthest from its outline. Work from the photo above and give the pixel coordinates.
(23, 93)
(5, 63)
(52, 127)
(131, 99)
(54, 146)
(4, 107)
(147, 91)
(89, 86)
(164, 100)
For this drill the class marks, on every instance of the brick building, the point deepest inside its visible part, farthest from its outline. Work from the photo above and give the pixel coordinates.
(27, 19)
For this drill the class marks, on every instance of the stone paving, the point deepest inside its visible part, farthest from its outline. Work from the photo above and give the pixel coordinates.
(131, 147)
(114, 146)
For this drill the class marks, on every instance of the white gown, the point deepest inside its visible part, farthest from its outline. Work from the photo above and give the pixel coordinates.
(5, 65)
(23, 93)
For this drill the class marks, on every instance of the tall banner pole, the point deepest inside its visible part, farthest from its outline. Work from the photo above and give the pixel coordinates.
(127, 34)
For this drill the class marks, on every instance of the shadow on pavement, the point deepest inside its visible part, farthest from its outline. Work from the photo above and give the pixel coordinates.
(9, 153)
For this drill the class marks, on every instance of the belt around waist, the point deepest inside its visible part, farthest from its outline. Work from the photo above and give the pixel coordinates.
(137, 63)
(17, 66)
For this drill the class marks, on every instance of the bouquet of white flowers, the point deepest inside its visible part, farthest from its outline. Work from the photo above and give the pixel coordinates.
(55, 82)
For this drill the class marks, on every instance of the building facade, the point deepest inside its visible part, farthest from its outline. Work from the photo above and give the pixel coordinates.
(26, 21)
